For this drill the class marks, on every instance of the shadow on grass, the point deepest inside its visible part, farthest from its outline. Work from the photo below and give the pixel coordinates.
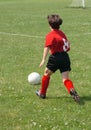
(83, 99)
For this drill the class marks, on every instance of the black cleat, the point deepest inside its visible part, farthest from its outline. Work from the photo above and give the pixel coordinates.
(75, 96)
(43, 96)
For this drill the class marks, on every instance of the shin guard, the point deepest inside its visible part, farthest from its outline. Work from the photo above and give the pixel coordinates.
(69, 85)
(44, 85)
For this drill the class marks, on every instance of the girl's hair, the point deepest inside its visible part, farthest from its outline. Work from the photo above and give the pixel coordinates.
(54, 21)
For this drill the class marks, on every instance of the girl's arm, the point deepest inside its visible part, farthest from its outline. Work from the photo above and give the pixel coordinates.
(45, 53)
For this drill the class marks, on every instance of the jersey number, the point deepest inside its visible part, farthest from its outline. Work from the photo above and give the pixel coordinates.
(66, 45)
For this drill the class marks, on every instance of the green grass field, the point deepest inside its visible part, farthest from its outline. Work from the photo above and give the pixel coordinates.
(23, 27)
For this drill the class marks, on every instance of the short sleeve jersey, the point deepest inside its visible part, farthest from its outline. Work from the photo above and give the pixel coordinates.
(57, 42)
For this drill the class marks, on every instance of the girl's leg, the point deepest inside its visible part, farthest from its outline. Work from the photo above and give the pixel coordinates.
(67, 82)
(69, 85)
(45, 83)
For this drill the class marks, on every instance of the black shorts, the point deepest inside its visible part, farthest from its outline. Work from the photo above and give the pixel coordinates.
(59, 61)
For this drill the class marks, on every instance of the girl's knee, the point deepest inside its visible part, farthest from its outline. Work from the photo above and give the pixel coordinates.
(48, 72)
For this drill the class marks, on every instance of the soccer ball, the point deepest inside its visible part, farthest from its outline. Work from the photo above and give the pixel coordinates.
(34, 78)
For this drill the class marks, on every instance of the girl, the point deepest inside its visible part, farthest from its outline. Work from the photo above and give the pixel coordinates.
(58, 45)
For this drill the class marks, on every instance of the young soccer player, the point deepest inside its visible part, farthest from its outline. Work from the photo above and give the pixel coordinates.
(58, 45)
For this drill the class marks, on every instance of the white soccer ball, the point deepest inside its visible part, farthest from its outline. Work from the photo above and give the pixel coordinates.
(34, 78)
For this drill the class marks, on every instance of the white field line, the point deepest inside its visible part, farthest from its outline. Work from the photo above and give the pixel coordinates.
(88, 33)
(21, 35)
(31, 36)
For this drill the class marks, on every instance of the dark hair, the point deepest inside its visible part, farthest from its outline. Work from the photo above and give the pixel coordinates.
(54, 21)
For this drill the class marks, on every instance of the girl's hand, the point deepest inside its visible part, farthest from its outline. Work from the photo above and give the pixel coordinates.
(42, 62)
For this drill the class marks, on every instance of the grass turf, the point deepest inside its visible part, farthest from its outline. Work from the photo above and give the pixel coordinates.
(23, 27)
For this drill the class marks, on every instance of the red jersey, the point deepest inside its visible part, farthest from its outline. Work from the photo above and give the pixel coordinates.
(57, 41)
